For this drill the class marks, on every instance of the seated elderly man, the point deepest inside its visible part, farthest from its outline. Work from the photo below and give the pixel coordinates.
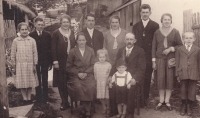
(135, 59)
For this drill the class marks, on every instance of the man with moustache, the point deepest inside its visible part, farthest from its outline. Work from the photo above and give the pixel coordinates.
(43, 41)
(134, 57)
(94, 37)
(144, 32)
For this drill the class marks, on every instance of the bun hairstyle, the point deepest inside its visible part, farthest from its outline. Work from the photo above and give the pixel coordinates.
(103, 51)
(65, 16)
(21, 24)
(166, 14)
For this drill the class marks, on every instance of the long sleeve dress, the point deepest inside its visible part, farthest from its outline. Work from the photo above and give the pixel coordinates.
(101, 73)
(165, 75)
(78, 89)
(24, 56)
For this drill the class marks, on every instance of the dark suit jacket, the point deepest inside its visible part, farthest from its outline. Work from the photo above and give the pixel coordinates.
(97, 40)
(188, 63)
(43, 47)
(136, 64)
(145, 41)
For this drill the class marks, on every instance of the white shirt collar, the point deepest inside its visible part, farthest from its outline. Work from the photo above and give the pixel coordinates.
(129, 48)
(38, 32)
(125, 72)
(145, 22)
(90, 31)
(190, 46)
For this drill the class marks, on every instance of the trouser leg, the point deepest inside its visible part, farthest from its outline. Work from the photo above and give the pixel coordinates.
(44, 70)
(39, 89)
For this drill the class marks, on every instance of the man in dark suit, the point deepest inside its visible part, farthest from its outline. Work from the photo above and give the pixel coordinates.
(94, 37)
(43, 41)
(144, 32)
(134, 57)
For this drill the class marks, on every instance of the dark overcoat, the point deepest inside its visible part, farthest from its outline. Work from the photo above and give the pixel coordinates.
(188, 63)
(78, 89)
(59, 53)
(96, 42)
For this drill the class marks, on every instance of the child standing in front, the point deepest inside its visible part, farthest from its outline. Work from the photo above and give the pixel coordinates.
(187, 71)
(121, 79)
(101, 72)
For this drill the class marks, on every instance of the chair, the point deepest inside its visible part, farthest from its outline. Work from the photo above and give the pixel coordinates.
(139, 99)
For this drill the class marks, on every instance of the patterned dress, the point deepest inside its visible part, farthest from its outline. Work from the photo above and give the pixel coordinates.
(24, 56)
(101, 72)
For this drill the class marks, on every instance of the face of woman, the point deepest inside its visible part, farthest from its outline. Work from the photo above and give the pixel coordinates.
(65, 24)
(115, 24)
(23, 31)
(81, 41)
(166, 21)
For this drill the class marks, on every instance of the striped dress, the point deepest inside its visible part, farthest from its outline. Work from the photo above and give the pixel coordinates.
(24, 56)
(101, 72)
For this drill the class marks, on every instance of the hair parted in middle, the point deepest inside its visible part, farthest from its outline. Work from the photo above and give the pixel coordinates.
(114, 17)
(166, 14)
(103, 51)
(65, 16)
(80, 34)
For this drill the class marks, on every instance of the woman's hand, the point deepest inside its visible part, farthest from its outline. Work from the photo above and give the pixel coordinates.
(84, 75)
(56, 66)
(167, 51)
(80, 75)
(154, 65)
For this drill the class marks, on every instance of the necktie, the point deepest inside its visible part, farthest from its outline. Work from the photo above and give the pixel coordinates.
(127, 53)
(188, 48)
(40, 33)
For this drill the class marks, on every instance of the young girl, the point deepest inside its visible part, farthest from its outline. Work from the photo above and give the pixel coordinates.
(121, 79)
(101, 72)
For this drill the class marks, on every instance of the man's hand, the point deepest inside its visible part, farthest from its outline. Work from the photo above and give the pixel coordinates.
(80, 75)
(132, 82)
(56, 66)
(178, 79)
(50, 67)
(167, 51)
(128, 86)
(84, 75)
(154, 65)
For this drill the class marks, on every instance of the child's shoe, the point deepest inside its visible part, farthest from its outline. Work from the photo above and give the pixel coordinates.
(183, 109)
(119, 116)
(189, 110)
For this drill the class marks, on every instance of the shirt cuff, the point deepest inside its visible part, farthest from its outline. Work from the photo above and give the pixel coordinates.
(172, 49)
(55, 62)
(153, 59)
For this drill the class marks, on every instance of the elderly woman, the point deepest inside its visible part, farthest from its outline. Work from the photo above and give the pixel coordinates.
(81, 82)
(114, 38)
(63, 40)
(165, 42)
(24, 57)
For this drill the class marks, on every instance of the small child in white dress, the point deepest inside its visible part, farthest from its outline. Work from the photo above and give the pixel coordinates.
(101, 72)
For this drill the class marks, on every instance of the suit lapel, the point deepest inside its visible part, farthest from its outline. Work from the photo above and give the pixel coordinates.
(192, 50)
(183, 48)
(132, 55)
(86, 53)
(148, 27)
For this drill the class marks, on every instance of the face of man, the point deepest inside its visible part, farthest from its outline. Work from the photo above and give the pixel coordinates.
(90, 21)
(39, 25)
(145, 13)
(130, 40)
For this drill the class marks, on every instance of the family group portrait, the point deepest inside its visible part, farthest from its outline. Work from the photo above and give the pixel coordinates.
(99, 59)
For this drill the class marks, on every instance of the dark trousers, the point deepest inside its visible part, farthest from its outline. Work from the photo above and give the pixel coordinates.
(113, 104)
(63, 95)
(131, 100)
(188, 89)
(147, 81)
(42, 89)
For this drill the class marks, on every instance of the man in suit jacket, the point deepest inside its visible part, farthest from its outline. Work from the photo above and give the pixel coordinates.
(134, 56)
(144, 32)
(94, 37)
(43, 41)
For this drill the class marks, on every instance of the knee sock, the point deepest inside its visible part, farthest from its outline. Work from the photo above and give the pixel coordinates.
(161, 95)
(119, 107)
(168, 95)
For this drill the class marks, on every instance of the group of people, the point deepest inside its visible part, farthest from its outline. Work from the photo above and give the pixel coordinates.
(107, 67)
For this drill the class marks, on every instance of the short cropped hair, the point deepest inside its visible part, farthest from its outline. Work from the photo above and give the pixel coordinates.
(91, 15)
(145, 6)
(166, 14)
(65, 16)
(188, 33)
(114, 17)
(22, 24)
(38, 19)
(103, 51)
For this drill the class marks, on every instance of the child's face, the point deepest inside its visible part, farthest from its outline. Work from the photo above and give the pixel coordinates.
(102, 57)
(121, 69)
(189, 38)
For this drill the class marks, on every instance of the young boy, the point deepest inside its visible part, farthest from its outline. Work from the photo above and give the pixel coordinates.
(187, 71)
(122, 82)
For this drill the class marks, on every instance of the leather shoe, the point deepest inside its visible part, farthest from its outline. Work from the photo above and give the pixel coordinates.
(130, 116)
(169, 107)
(189, 110)
(159, 106)
(183, 109)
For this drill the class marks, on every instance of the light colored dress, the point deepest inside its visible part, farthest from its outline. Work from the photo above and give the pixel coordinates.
(24, 55)
(101, 73)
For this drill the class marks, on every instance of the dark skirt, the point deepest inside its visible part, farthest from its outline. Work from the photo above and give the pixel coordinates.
(165, 75)
(121, 94)
(82, 90)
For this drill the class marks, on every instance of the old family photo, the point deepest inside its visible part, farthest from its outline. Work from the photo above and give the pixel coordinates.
(100, 58)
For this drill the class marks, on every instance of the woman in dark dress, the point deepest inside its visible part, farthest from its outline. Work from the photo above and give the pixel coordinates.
(81, 82)
(63, 40)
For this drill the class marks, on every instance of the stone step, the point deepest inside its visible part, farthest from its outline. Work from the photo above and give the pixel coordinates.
(21, 111)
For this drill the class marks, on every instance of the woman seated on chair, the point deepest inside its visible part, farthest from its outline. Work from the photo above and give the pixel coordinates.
(81, 83)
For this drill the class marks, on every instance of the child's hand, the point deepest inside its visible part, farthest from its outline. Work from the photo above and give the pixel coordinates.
(128, 86)
(178, 79)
